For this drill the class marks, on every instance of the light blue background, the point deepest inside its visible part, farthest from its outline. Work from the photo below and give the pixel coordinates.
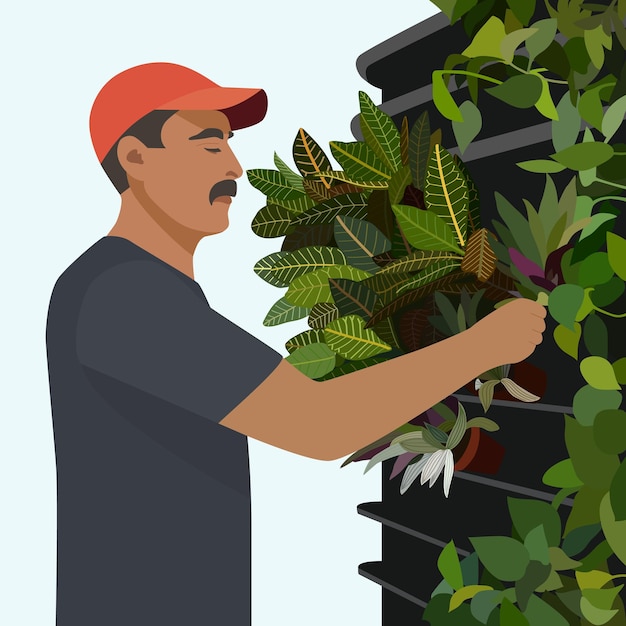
(308, 539)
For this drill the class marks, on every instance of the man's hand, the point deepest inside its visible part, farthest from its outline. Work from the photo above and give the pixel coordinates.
(511, 333)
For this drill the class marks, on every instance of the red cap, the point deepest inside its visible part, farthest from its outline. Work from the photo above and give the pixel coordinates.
(130, 95)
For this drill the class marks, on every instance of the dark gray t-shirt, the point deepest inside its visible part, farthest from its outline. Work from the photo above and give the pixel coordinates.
(153, 494)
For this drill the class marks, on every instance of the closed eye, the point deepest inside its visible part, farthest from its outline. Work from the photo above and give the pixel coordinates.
(213, 150)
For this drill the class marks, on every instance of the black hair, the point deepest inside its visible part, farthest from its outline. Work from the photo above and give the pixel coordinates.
(148, 131)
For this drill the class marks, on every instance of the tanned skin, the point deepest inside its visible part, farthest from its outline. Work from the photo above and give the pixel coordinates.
(166, 211)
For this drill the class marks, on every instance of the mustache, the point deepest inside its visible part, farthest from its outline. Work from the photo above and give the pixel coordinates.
(223, 188)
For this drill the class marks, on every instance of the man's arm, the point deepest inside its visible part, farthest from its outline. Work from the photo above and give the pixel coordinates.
(331, 419)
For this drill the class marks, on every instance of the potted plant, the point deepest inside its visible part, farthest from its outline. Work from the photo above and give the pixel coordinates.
(561, 565)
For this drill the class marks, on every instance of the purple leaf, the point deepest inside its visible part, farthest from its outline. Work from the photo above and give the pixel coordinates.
(401, 462)
(553, 263)
(525, 266)
(543, 282)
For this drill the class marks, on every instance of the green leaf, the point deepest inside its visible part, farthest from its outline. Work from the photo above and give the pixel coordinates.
(541, 166)
(614, 117)
(593, 614)
(540, 613)
(322, 314)
(583, 156)
(309, 157)
(350, 204)
(290, 176)
(272, 221)
(545, 104)
(419, 149)
(562, 475)
(283, 311)
(566, 128)
(446, 192)
(360, 241)
(527, 514)
(513, 40)
(599, 373)
(299, 205)
(537, 546)
(466, 131)
(595, 270)
(398, 184)
(510, 615)
(312, 287)
(614, 530)
(416, 261)
(595, 468)
(353, 298)
(560, 561)
(588, 401)
(522, 9)
(542, 38)
(620, 370)
(568, 339)
(595, 40)
(425, 230)
(577, 540)
(304, 339)
(564, 303)
(443, 100)
(466, 593)
(504, 557)
(429, 275)
(618, 485)
(314, 360)
(484, 423)
(348, 338)
(616, 248)
(487, 41)
(450, 567)
(519, 229)
(359, 161)
(521, 91)
(282, 268)
(380, 132)
(585, 511)
(535, 576)
(591, 109)
(596, 336)
(473, 215)
(273, 184)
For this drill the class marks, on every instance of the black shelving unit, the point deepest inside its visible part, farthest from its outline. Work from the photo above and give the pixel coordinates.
(416, 525)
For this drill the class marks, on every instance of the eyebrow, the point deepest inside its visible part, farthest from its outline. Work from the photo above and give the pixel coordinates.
(211, 132)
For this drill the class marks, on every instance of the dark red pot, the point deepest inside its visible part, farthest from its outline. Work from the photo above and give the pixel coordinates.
(478, 452)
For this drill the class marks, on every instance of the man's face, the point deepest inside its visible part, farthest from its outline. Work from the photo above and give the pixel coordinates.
(189, 182)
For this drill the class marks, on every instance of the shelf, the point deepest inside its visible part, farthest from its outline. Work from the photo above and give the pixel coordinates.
(391, 580)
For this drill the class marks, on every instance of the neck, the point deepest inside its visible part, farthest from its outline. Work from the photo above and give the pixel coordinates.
(148, 227)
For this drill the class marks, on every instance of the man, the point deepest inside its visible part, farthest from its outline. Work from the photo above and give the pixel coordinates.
(154, 393)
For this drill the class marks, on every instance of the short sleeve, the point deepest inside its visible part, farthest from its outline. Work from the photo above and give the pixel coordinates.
(149, 327)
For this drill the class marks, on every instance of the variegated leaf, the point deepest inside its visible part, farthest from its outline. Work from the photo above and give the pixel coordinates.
(388, 453)
(360, 241)
(316, 190)
(304, 236)
(473, 213)
(361, 184)
(348, 337)
(414, 442)
(434, 271)
(359, 161)
(479, 258)
(379, 212)
(322, 314)
(309, 157)
(283, 311)
(304, 339)
(352, 204)
(296, 206)
(484, 423)
(386, 330)
(273, 184)
(419, 149)
(311, 288)
(284, 267)
(425, 230)
(458, 430)
(417, 261)
(338, 189)
(404, 141)
(485, 393)
(314, 360)
(519, 392)
(290, 176)
(446, 192)
(387, 285)
(272, 221)
(411, 327)
(398, 184)
(353, 298)
(380, 132)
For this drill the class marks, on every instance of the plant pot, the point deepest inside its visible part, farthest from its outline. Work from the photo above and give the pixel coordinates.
(526, 375)
(478, 452)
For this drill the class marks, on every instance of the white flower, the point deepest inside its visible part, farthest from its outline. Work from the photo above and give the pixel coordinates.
(441, 460)
(429, 467)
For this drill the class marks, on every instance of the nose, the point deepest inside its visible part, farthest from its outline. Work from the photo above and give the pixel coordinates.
(234, 169)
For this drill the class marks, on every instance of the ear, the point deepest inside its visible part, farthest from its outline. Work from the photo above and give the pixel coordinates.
(130, 154)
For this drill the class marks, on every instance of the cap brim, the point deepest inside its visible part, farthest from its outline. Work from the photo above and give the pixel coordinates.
(243, 107)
